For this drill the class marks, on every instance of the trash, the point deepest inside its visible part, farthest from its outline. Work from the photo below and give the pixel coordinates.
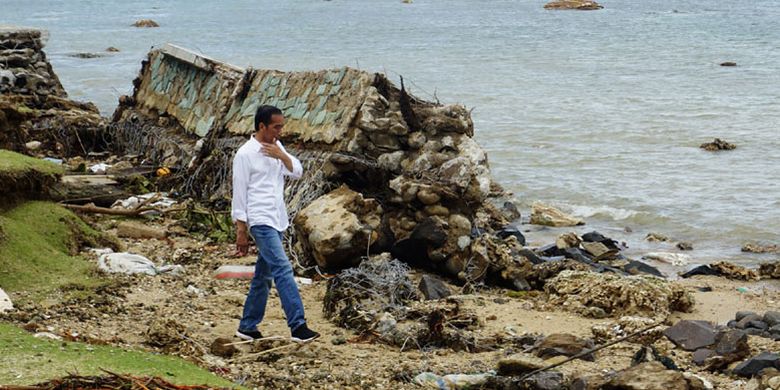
(99, 168)
(675, 259)
(161, 199)
(451, 381)
(128, 263)
(194, 291)
(743, 289)
(47, 335)
(235, 272)
(57, 161)
(164, 171)
(5, 302)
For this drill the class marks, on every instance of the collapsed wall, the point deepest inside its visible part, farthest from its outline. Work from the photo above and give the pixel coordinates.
(384, 171)
(34, 105)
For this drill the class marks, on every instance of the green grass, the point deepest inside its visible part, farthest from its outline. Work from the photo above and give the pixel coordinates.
(37, 244)
(15, 164)
(26, 360)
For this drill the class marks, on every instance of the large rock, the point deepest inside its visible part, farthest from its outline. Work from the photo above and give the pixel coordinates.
(731, 346)
(692, 335)
(772, 318)
(339, 226)
(647, 376)
(433, 288)
(770, 270)
(754, 365)
(549, 216)
(582, 5)
(616, 295)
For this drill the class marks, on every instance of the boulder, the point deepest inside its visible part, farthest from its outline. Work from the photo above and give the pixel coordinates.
(717, 144)
(634, 267)
(755, 247)
(339, 226)
(433, 288)
(562, 344)
(699, 270)
(746, 320)
(733, 271)
(692, 335)
(647, 376)
(744, 313)
(731, 346)
(701, 355)
(568, 240)
(754, 365)
(582, 5)
(772, 318)
(770, 270)
(549, 216)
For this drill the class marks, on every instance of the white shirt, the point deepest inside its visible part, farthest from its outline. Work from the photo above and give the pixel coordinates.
(258, 186)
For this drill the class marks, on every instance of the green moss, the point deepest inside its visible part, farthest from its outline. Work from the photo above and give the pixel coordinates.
(27, 360)
(15, 164)
(37, 247)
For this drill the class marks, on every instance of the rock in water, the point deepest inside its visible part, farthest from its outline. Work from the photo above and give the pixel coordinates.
(145, 23)
(691, 335)
(582, 5)
(717, 144)
(549, 216)
(770, 270)
(728, 63)
(433, 288)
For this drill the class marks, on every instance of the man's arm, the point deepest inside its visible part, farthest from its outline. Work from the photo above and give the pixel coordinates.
(239, 203)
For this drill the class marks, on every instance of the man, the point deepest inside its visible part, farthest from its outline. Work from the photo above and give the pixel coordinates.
(259, 169)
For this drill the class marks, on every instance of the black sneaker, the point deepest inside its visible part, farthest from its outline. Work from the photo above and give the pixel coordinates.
(303, 334)
(249, 334)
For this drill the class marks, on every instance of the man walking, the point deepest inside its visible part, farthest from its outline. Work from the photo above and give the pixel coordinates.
(259, 169)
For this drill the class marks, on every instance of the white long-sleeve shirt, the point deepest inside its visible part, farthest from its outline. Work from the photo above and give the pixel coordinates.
(258, 186)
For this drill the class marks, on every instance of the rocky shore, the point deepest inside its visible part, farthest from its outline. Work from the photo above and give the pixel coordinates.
(411, 258)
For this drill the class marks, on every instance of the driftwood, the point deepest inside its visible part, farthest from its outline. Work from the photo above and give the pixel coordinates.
(102, 190)
(91, 208)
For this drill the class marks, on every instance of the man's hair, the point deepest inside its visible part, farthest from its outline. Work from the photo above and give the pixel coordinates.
(263, 115)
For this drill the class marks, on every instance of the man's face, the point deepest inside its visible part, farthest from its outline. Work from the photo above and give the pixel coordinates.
(272, 131)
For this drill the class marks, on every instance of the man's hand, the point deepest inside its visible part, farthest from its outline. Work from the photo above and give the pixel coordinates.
(274, 151)
(242, 240)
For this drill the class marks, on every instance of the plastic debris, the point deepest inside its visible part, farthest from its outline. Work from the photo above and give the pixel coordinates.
(99, 168)
(161, 200)
(675, 259)
(128, 263)
(5, 302)
(248, 272)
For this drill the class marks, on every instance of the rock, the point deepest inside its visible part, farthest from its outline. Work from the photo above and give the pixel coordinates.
(131, 229)
(549, 216)
(338, 227)
(428, 197)
(699, 270)
(33, 145)
(647, 376)
(754, 365)
(145, 23)
(617, 295)
(696, 382)
(433, 288)
(691, 335)
(595, 236)
(431, 231)
(716, 145)
(510, 211)
(772, 318)
(656, 237)
(596, 249)
(164, 332)
(757, 325)
(731, 346)
(770, 270)
(86, 55)
(728, 63)
(558, 344)
(701, 355)
(650, 354)
(743, 323)
(221, 348)
(568, 240)
(511, 231)
(733, 271)
(754, 247)
(5, 302)
(744, 313)
(582, 5)
(775, 330)
(519, 364)
(545, 380)
(608, 331)
(112, 49)
(675, 259)
(684, 246)
(634, 267)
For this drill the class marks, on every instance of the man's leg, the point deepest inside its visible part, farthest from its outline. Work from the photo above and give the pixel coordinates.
(256, 299)
(269, 243)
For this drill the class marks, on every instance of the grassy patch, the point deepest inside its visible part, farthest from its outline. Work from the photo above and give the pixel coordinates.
(27, 360)
(38, 241)
(12, 163)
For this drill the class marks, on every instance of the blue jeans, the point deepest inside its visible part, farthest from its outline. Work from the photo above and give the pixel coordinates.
(272, 264)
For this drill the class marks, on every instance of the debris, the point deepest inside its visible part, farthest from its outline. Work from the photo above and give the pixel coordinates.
(112, 381)
(235, 272)
(717, 144)
(549, 216)
(47, 335)
(128, 263)
(675, 259)
(451, 381)
(99, 168)
(5, 302)
(152, 199)
(728, 63)
(561, 344)
(627, 325)
(618, 296)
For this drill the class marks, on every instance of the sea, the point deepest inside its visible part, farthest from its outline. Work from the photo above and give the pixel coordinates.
(600, 113)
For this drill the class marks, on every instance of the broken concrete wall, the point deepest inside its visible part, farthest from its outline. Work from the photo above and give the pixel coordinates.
(349, 127)
(35, 107)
